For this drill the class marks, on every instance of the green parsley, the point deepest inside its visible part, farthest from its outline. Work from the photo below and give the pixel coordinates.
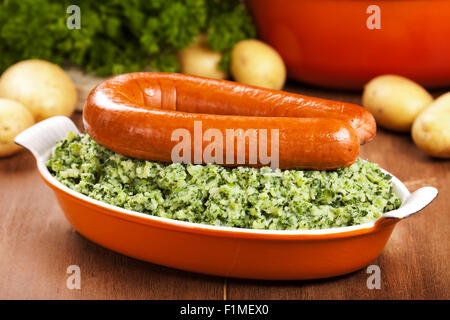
(118, 36)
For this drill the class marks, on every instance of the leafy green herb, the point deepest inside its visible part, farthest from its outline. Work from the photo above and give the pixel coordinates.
(118, 36)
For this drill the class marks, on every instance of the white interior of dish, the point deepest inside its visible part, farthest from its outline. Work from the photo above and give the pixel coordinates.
(42, 137)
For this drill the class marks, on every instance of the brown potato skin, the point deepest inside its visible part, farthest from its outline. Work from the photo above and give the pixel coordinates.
(256, 63)
(135, 115)
(431, 129)
(41, 86)
(395, 101)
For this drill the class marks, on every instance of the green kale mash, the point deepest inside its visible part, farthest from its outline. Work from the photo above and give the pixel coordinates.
(240, 197)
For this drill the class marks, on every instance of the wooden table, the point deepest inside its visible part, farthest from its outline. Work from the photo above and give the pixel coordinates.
(37, 244)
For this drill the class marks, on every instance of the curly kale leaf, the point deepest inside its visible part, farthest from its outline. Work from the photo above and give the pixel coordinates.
(118, 36)
(31, 29)
(229, 23)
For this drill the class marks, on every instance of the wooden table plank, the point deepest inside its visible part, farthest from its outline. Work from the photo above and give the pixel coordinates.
(37, 244)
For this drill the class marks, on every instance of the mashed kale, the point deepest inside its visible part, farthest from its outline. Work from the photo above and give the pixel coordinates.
(119, 36)
(241, 197)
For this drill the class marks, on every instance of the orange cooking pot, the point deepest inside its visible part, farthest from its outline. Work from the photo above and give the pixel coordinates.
(343, 44)
(222, 251)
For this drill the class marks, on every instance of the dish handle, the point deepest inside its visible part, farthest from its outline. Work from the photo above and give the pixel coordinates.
(45, 134)
(418, 200)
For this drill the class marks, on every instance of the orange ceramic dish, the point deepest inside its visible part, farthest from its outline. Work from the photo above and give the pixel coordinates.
(338, 43)
(222, 251)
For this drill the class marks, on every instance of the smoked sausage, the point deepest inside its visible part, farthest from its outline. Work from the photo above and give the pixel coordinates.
(137, 115)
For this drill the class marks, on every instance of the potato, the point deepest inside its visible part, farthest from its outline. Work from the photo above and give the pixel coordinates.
(14, 118)
(199, 60)
(395, 101)
(256, 63)
(431, 129)
(43, 87)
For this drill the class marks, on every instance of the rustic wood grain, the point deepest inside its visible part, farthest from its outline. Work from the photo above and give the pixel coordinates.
(37, 244)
